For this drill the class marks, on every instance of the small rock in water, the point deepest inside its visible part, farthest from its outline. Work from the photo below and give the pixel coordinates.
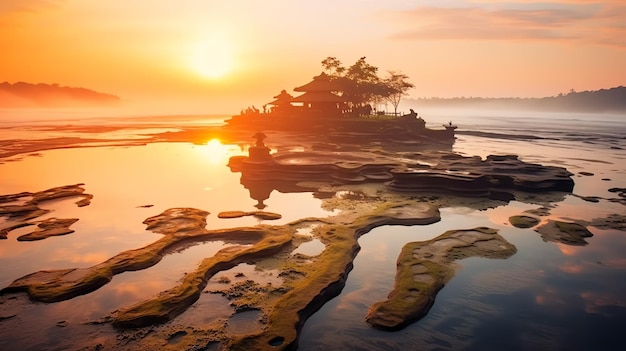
(523, 221)
(266, 215)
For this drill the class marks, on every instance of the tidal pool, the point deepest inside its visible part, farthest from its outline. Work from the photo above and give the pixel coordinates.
(548, 295)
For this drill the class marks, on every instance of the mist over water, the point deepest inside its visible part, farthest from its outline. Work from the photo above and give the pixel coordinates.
(534, 122)
(136, 113)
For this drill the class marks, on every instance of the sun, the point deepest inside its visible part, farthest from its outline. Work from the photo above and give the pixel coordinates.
(212, 58)
(215, 151)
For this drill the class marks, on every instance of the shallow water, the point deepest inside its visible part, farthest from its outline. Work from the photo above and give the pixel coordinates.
(546, 296)
(123, 180)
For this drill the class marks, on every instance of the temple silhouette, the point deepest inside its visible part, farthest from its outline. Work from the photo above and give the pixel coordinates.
(322, 107)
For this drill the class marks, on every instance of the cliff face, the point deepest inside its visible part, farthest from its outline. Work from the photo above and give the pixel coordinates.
(604, 100)
(23, 94)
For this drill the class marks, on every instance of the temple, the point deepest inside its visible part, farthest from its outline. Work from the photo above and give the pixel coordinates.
(319, 98)
(322, 107)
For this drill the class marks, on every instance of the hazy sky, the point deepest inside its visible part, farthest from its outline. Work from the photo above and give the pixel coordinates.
(221, 56)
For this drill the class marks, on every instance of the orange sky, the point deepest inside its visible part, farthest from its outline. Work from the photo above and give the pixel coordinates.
(164, 55)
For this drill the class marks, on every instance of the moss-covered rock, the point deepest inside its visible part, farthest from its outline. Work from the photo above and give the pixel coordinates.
(425, 267)
(523, 221)
(50, 227)
(24, 208)
(569, 233)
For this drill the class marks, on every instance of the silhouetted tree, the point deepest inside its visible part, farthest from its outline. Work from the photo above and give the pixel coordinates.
(398, 86)
(366, 84)
(361, 84)
(333, 66)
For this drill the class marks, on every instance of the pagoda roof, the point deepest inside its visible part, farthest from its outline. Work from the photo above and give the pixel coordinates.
(283, 95)
(283, 98)
(318, 96)
(323, 82)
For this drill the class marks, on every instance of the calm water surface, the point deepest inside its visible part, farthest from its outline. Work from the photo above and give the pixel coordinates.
(546, 296)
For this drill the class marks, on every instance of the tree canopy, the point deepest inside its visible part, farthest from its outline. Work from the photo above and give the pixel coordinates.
(362, 86)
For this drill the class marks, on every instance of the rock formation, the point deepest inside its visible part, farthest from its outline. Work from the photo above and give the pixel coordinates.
(425, 267)
(26, 210)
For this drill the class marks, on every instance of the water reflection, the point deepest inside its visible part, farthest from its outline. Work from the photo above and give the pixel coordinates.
(122, 179)
(216, 153)
(129, 184)
(537, 299)
(245, 323)
(547, 296)
(260, 190)
(310, 248)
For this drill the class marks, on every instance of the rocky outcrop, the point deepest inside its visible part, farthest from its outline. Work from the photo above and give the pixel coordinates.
(307, 286)
(326, 278)
(354, 167)
(23, 208)
(172, 302)
(564, 232)
(612, 221)
(177, 225)
(497, 177)
(425, 267)
(523, 221)
(50, 227)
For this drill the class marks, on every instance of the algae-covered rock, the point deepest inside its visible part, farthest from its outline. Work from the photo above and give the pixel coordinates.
(24, 208)
(522, 221)
(50, 227)
(612, 221)
(231, 214)
(424, 268)
(564, 232)
(176, 220)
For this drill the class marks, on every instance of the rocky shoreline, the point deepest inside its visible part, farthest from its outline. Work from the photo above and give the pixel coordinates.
(394, 188)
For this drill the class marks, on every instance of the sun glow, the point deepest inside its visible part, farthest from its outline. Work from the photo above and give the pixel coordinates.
(213, 58)
(216, 152)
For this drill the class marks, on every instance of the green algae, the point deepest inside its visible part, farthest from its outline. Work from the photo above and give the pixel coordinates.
(523, 221)
(425, 267)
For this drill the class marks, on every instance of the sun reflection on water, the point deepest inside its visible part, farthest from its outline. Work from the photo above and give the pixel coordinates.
(217, 153)
(556, 276)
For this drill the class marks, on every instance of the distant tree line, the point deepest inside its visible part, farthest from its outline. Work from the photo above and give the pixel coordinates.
(23, 94)
(603, 100)
(362, 87)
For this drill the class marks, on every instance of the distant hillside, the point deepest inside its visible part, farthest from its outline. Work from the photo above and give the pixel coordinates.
(604, 100)
(22, 94)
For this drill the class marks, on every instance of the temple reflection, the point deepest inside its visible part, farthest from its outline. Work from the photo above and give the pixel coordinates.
(260, 190)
